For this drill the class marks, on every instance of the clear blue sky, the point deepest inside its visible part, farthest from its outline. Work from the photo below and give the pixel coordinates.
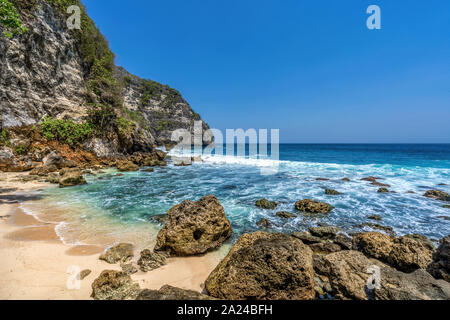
(309, 68)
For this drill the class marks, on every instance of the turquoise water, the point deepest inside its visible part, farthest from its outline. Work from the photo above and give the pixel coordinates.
(135, 197)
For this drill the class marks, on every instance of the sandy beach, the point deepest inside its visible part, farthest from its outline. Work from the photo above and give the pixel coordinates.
(36, 265)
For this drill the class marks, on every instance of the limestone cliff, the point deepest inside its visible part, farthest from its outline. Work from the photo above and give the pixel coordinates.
(70, 74)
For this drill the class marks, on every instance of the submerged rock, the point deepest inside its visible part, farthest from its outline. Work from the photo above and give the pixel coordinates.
(332, 192)
(264, 223)
(119, 253)
(172, 293)
(440, 267)
(383, 190)
(375, 217)
(266, 204)
(286, 215)
(114, 285)
(72, 178)
(311, 206)
(371, 179)
(377, 226)
(345, 179)
(194, 227)
(263, 266)
(438, 195)
(150, 260)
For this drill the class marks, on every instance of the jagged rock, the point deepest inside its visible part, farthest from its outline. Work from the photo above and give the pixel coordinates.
(172, 293)
(347, 272)
(440, 267)
(343, 241)
(72, 178)
(405, 254)
(264, 223)
(55, 159)
(119, 253)
(7, 158)
(266, 204)
(194, 227)
(286, 215)
(83, 274)
(150, 260)
(127, 166)
(311, 206)
(324, 232)
(43, 170)
(263, 266)
(128, 268)
(325, 247)
(306, 237)
(418, 285)
(383, 190)
(332, 192)
(114, 285)
(438, 195)
(53, 178)
(375, 217)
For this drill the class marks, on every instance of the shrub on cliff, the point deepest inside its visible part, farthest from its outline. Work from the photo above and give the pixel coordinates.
(66, 131)
(10, 19)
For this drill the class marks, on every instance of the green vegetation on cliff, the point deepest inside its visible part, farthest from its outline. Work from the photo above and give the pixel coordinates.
(10, 19)
(66, 131)
(4, 138)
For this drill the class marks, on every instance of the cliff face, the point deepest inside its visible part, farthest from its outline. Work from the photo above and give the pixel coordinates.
(50, 70)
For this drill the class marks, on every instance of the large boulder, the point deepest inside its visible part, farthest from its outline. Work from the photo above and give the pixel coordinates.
(311, 206)
(114, 285)
(324, 232)
(7, 159)
(172, 293)
(440, 268)
(347, 272)
(119, 253)
(55, 159)
(72, 178)
(264, 266)
(194, 227)
(406, 253)
(438, 195)
(419, 285)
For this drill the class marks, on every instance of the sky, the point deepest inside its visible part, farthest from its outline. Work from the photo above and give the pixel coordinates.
(311, 69)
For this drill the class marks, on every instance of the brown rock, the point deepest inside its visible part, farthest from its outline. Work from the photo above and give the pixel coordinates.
(264, 223)
(114, 285)
(150, 260)
(383, 190)
(172, 293)
(128, 268)
(119, 253)
(311, 206)
(70, 179)
(371, 179)
(332, 192)
(194, 228)
(263, 266)
(440, 267)
(306, 237)
(285, 215)
(127, 166)
(83, 274)
(438, 195)
(325, 247)
(266, 204)
(324, 232)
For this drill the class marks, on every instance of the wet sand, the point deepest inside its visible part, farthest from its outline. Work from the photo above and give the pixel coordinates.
(36, 265)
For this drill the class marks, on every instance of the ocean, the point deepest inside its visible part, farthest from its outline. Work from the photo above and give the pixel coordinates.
(111, 204)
